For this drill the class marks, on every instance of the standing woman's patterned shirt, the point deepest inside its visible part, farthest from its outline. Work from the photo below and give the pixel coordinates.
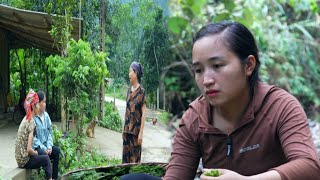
(135, 101)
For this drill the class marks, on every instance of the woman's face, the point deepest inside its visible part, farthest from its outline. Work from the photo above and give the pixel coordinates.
(219, 73)
(43, 105)
(132, 75)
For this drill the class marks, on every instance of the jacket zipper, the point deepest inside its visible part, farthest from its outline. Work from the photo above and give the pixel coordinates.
(229, 147)
(229, 151)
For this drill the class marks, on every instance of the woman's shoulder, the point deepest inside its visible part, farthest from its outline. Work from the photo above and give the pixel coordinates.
(196, 108)
(46, 115)
(272, 93)
(279, 99)
(27, 125)
(280, 94)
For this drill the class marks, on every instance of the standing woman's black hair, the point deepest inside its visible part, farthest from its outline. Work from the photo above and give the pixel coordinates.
(41, 95)
(137, 68)
(238, 39)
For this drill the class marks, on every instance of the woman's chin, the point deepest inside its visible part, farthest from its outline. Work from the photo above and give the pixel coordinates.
(214, 101)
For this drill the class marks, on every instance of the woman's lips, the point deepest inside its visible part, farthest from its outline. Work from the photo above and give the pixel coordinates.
(212, 93)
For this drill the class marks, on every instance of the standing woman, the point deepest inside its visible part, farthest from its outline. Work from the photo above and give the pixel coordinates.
(134, 117)
(25, 156)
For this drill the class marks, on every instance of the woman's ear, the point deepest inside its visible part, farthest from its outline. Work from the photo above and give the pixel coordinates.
(250, 65)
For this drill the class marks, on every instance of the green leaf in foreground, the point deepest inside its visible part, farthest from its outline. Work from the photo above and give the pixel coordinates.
(213, 172)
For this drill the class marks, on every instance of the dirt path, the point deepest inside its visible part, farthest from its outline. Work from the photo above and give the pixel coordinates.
(156, 145)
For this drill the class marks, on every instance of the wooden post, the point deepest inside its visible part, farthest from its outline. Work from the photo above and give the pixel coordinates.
(164, 98)
(102, 48)
(80, 20)
(158, 98)
(4, 68)
(114, 96)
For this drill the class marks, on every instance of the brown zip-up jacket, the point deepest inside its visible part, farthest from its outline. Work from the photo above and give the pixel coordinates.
(273, 134)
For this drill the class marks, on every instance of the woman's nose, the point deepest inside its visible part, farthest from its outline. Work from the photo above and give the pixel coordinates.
(208, 78)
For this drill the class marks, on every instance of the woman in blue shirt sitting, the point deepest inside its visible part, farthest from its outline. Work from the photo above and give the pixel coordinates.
(43, 139)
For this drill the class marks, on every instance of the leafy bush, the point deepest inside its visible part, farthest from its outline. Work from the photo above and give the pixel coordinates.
(112, 119)
(78, 75)
(165, 117)
(38, 175)
(70, 156)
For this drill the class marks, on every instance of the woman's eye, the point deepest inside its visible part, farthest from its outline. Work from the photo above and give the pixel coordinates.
(217, 65)
(197, 71)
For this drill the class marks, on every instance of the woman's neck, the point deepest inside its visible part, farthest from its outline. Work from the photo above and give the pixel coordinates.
(41, 113)
(135, 85)
(233, 111)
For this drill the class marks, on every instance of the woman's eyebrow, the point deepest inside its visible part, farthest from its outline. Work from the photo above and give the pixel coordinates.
(195, 63)
(214, 58)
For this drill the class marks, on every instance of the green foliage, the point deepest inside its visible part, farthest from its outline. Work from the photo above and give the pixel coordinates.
(286, 33)
(155, 52)
(152, 170)
(28, 70)
(88, 175)
(115, 172)
(80, 72)
(177, 24)
(213, 173)
(165, 117)
(91, 24)
(71, 158)
(112, 120)
(79, 75)
(38, 175)
(61, 22)
(22, 4)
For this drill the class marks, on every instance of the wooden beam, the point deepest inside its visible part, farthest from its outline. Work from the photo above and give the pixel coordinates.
(18, 17)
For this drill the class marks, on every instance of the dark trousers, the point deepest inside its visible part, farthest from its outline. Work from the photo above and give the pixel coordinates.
(37, 161)
(54, 156)
(139, 176)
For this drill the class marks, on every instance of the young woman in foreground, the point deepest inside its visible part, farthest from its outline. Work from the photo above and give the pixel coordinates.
(244, 128)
